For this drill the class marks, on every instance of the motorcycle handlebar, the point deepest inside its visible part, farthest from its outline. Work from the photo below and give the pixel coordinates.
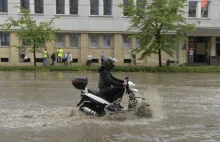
(127, 77)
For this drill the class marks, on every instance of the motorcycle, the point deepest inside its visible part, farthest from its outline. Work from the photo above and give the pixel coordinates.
(94, 103)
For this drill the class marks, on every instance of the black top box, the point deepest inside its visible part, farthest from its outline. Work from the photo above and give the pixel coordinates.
(80, 82)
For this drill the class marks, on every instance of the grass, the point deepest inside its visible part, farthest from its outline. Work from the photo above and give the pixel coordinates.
(171, 69)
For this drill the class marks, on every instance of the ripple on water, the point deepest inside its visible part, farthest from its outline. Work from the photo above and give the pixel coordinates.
(60, 117)
(66, 116)
(45, 117)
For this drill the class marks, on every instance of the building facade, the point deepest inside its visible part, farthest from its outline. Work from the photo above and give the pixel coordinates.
(94, 26)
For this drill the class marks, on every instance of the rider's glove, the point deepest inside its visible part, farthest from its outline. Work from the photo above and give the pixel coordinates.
(125, 83)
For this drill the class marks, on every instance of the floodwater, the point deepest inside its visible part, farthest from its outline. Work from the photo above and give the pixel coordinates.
(41, 107)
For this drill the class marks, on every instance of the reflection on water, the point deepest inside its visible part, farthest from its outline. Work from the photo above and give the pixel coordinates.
(40, 106)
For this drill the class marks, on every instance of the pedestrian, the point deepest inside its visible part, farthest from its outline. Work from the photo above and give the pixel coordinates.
(22, 54)
(89, 59)
(60, 55)
(102, 56)
(218, 55)
(53, 59)
(45, 56)
(191, 52)
(65, 59)
(134, 59)
(25, 58)
(70, 58)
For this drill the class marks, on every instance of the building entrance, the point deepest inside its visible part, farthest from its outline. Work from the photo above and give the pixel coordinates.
(200, 47)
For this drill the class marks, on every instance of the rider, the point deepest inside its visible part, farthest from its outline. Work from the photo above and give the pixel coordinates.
(106, 81)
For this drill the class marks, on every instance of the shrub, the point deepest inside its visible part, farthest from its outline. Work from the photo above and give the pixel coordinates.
(171, 69)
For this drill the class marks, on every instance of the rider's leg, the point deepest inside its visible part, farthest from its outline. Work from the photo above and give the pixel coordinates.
(119, 93)
(114, 95)
(118, 97)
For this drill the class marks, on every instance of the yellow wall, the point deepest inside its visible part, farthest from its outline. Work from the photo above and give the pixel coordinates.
(81, 53)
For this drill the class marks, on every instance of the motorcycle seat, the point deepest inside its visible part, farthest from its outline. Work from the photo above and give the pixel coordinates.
(94, 92)
(97, 93)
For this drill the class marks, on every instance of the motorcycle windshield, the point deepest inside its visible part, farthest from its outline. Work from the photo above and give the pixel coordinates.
(113, 59)
(131, 84)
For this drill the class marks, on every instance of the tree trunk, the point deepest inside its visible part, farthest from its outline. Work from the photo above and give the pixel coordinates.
(35, 56)
(159, 50)
(159, 57)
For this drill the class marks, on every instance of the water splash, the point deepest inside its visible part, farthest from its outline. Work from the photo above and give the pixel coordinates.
(154, 98)
(47, 117)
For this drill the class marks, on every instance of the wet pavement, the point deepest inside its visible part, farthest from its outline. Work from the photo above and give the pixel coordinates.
(41, 107)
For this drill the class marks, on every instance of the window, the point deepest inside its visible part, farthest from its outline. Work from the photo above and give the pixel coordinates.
(4, 59)
(60, 6)
(126, 41)
(192, 9)
(107, 40)
(67, 7)
(204, 9)
(73, 6)
(217, 39)
(141, 4)
(126, 4)
(25, 4)
(60, 40)
(3, 5)
(94, 41)
(74, 40)
(127, 60)
(4, 39)
(94, 7)
(38, 6)
(107, 7)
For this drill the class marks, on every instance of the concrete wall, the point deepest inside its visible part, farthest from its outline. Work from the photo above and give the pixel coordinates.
(81, 52)
(83, 21)
(116, 22)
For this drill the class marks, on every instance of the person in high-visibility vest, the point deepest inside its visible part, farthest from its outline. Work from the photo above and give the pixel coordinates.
(61, 54)
(45, 56)
(58, 58)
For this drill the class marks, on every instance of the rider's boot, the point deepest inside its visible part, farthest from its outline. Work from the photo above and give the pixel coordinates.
(121, 107)
(117, 104)
(111, 107)
(114, 106)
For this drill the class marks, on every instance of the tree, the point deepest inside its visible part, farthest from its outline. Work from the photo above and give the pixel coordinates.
(154, 21)
(32, 34)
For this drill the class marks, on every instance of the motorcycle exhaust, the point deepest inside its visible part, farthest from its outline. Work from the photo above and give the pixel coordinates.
(88, 111)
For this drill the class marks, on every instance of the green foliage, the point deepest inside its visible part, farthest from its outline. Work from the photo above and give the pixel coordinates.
(155, 69)
(32, 33)
(159, 25)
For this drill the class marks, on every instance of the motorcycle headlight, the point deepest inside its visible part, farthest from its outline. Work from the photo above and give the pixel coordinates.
(138, 95)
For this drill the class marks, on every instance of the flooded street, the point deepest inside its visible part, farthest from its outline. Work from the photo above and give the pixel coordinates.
(41, 107)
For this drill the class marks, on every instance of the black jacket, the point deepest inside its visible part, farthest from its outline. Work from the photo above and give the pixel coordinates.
(53, 57)
(106, 79)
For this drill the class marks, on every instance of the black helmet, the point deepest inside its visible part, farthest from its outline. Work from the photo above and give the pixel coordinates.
(109, 62)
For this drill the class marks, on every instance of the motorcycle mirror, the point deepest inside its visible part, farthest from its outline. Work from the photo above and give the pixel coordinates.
(127, 76)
